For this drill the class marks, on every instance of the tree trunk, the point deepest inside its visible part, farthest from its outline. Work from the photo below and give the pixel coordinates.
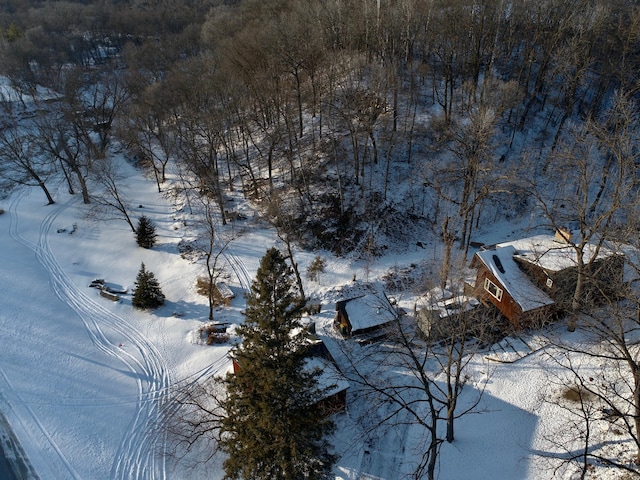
(67, 178)
(576, 300)
(50, 200)
(299, 99)
(210, 289)
(433, 455)
(448, 239)
(636, 405)
(296, 271)
(450, 422)
(86, 199)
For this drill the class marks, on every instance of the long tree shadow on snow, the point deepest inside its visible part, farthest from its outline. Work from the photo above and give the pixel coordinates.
(494, 443)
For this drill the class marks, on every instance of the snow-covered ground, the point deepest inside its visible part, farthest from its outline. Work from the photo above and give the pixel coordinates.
(83, 380)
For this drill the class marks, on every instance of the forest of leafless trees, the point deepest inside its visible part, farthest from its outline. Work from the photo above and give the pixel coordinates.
(343, 118)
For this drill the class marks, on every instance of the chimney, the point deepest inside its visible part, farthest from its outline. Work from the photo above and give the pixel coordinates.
(563, 235)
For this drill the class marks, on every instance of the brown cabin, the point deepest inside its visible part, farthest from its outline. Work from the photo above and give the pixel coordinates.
(531, 279)
(554, 269)
(500, 282)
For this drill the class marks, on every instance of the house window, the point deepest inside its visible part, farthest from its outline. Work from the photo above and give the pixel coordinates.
(493, 289)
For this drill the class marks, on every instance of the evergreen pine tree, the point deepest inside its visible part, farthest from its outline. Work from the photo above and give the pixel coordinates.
(147, 292)
(316, 267)
(145, 232)
(272, 429)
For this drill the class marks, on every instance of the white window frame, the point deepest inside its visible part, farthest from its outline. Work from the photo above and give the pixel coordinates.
(488, 285)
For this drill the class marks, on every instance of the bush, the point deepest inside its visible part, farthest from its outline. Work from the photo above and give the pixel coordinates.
(145, 233)
(147, 292)
(202, 286)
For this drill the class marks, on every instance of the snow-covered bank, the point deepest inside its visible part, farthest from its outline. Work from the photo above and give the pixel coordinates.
(85, 380)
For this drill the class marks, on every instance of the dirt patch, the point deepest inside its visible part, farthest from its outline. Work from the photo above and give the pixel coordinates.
(576, 394)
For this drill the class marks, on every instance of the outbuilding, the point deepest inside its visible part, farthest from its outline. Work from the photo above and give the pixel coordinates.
(365, 313)
(223, 294)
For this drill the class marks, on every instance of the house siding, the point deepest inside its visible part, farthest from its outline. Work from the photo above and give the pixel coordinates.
(604, 279)
(508, 306)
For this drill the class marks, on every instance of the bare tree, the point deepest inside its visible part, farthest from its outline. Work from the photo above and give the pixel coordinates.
(599, 198)
(428, 393)
(148, 127)
(22, 162)
(358, 109)
(199, 127)
(598, 191)
(109, 197)
(213, 247)
(285, 229)
(472, 177)
(601, 381)
(57, 140)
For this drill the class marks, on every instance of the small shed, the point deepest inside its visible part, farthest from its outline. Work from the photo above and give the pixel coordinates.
(437, 316)
(223, 294)
(363, 314)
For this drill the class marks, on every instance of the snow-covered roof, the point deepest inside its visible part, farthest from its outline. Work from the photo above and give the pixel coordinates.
(551, 254)
(514, 280)
(349, 290)
(453, 306)
(224, 290)
(435, 295)
(330, 378)
(369, 311)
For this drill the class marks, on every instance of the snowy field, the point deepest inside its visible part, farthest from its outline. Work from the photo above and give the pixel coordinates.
(83, 379)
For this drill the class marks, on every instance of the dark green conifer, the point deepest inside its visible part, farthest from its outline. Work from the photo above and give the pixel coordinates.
(272, 430)
(316, 267)
(145, 232)
(147, 292)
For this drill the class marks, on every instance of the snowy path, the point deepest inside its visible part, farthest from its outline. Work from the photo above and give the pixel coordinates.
(139, 454)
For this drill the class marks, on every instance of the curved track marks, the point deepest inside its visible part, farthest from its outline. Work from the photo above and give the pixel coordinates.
(140, 452)
(239, 269)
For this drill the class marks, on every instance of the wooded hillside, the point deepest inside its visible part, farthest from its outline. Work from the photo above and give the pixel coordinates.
(353, 124)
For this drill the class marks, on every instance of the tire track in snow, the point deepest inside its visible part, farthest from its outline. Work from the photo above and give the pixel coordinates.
(172, 407)
(142, 444)
(138, 451)
(239, 269)
(14, 220)
(21, 409)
